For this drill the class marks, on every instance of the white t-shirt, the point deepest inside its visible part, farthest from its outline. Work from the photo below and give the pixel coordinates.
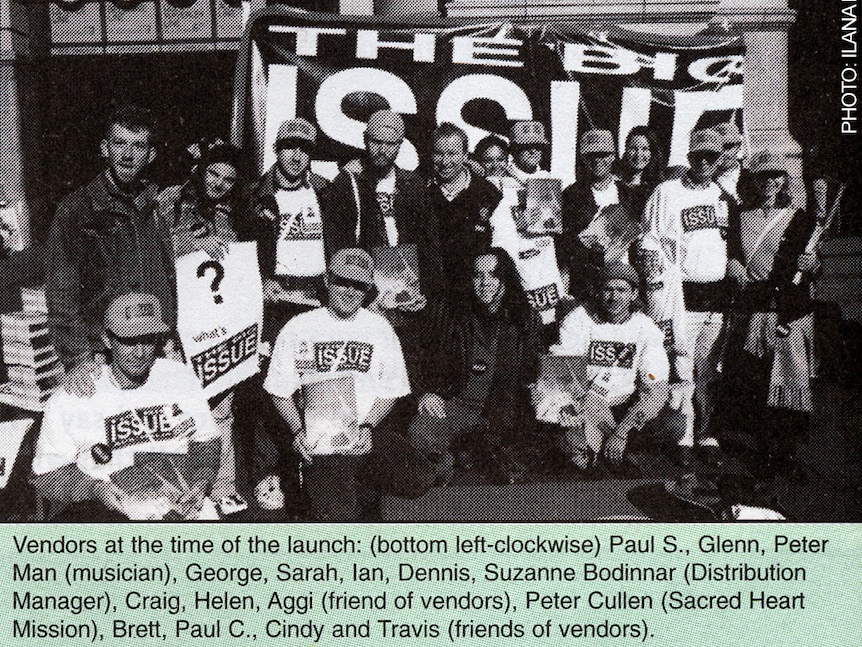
(607, 196)
(534, 257)
(619, 356)
(688, 224)
(161, 416)
(299, 248)
(385, 194)
(317, 345)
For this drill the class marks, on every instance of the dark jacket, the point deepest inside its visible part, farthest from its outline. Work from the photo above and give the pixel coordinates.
(103, 243)
(183, 218)
(415, 225)
(777, 292)
(578, 210)
(442, 364)
(464, 226)
(255, 226)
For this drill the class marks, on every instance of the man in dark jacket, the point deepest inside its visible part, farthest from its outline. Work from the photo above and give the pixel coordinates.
(462, 203)
(373, 203)
(104, 242)
(597, 189)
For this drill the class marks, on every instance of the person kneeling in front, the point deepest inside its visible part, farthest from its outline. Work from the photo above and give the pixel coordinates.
(627, 369)
(145, 445)
(342, 367)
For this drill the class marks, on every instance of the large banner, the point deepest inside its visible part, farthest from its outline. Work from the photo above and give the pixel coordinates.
(220, 311)
(336, 71)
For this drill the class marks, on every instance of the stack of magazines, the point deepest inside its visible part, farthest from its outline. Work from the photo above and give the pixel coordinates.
(32, 365)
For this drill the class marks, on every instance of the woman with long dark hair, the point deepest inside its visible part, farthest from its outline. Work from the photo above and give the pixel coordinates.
(477, 357)
(642, 165)
(201, 215)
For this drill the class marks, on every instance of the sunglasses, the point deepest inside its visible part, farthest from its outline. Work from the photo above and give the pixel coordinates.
(708, 157)
(771, 175)
(342, 282)
(145, 340)
(731, 146)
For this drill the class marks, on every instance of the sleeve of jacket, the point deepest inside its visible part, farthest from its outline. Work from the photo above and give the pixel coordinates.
(253, 225)
(69, 332)
(338, 211)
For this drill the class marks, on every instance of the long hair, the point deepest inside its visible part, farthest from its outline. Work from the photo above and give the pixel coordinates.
(655, 169)
(514, 307)
(215, 154)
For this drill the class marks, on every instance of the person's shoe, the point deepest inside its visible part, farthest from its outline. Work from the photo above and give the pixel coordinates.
(711, 454)
(683, 456)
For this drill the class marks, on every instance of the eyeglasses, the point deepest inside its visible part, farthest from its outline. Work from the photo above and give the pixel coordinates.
(703, 156)
(143, 340)
(342, 282)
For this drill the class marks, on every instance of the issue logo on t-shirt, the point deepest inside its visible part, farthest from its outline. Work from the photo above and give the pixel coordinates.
(147, 424)
(330, 356)
(699, 217)
(611, 353)
(305, 225)
(544, 298)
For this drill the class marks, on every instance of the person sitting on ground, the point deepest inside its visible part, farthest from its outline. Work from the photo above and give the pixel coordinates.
(349, 360)
(627, 369)
(147, 422)
(479, 356)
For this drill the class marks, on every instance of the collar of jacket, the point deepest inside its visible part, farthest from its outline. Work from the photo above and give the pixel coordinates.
(268, 183)
(108, 200)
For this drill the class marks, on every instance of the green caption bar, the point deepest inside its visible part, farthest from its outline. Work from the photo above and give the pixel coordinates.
(426, 584)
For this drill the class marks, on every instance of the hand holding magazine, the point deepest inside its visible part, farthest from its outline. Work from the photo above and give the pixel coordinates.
(563, 395)
(396, 274)
(331, 424)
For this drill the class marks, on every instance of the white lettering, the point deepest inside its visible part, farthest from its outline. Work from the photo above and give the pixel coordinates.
(306, 37)
(368, 45)
(473, 50)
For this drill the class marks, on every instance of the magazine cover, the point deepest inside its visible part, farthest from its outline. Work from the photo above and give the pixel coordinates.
(539, 209)
(331, 426)
(396, 273)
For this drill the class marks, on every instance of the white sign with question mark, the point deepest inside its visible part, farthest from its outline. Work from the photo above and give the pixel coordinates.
(220, 314)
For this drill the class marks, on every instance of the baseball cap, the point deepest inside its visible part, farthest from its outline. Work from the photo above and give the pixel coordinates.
(135, 315)
(766, 162)
(525, 133)
(353, 264)
(729, 133)
(705, 140)
(385, 125)
(297, 129)
(597, 141)
(618, 270)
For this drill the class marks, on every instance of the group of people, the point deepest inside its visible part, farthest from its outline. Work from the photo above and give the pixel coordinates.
(676, 285)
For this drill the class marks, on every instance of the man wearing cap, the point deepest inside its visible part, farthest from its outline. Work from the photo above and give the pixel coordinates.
(356, 357)
(286, 221)
(461, 202)
(585, 244)
(627, 369)
(143, 409)
(687, 226)
(529, 145)
(729, 168)
(105, 241)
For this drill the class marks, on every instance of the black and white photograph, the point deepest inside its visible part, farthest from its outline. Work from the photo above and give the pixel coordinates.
(415, 261)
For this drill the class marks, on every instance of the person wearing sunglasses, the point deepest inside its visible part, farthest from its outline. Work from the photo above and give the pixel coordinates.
(686, 223)
(348, 359)
(93, 455)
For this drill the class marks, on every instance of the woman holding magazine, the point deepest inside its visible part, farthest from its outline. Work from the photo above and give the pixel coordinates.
(767, 363)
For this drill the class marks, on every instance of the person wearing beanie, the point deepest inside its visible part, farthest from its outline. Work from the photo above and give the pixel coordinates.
(374, 203)
(627, 369)
(203, 215)
(687, 224)
(585, 246)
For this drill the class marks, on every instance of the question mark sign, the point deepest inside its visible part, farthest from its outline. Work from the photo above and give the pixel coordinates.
(219, 275)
